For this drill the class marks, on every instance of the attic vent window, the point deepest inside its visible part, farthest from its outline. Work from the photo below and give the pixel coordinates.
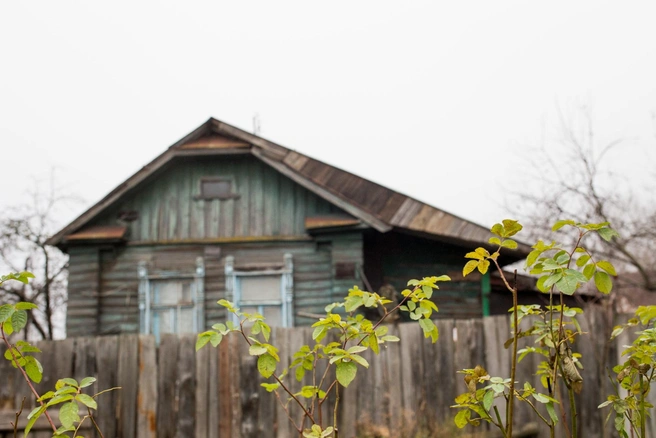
(216, 188)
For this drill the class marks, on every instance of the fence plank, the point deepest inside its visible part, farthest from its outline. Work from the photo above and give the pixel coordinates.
(167, 377)
(147, 393)
(249, 393)
(203, 387)
(213, 395)
(128, 380)
(225, 389)
(411, 369)
(284, 428)
(107, 366)
(186, 387)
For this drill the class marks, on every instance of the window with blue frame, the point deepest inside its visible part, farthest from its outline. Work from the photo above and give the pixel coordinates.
(171, 302)
(264, 290)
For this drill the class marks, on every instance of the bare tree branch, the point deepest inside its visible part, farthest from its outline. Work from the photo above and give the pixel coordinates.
(573, 177)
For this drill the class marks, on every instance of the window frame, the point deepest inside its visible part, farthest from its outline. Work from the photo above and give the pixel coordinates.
(286, 274)
(146, 289)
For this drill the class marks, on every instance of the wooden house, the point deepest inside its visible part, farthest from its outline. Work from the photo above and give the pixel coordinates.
(224, 213)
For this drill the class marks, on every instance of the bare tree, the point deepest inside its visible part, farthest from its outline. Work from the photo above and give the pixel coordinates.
(574, 177)
(24, 230)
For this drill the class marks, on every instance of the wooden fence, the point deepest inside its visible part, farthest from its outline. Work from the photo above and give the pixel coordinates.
(172, 391)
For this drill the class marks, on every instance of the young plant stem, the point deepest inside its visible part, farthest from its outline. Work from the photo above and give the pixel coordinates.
(26, 377)
(275, 376)
(643, 414)
(395, 308)
(534, 409)
(284, 407)
(513, 367)
(572, 407)
(500, 423)
(95, 425)
(335, 411)
(18, 414)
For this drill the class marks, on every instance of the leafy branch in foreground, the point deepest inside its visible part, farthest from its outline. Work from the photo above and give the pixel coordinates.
(562, 270)
(635, 375)
(354, 335)
(68, 393)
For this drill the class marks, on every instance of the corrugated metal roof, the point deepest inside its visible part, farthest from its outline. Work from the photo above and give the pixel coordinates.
(375, 205)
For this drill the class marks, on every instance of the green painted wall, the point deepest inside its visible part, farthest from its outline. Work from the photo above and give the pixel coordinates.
(269, 204)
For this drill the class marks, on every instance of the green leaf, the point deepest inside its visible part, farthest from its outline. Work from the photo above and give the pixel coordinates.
(33, 369)
(6, 310)
(359, 359)
(266, 365)
(551, 280)
(7, 327)
(87, 401)
(32, 417)
(603, 282)
(19, 320)
(469, 267)
(559, 224)
(68, 414)
(510, 244)
(511, 227)
(495, 241)
(429, 328)
(488, 398)
(532, 257)
(67, 381)
(59, 399)
(552, 412)
(270, 387)
(475, 255)
(462, 418)
(607, 266)
(300, 373)
(25, 306)
(345, 372)
(581, 261)
(483, 266)
(202, 340)
(257, 350)
(607, 233)
(540, 283)
(589, 271)
(87, 381)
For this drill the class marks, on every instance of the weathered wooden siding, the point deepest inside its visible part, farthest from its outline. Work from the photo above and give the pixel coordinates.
(396, 258)
(103, 290)
(83, 291)
(269, 204)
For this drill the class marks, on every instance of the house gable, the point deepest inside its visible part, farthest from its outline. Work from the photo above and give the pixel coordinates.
(262, 203)
(374, 205)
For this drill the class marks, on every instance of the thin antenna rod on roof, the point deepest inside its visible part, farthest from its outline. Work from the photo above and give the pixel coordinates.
(257, 127)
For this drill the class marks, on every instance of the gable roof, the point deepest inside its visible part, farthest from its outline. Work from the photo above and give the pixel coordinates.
(379, 207)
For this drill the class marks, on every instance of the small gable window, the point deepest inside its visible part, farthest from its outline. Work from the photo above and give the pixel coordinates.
(216, 188)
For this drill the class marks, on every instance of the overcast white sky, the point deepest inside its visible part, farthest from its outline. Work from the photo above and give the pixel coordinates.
(434, 99)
